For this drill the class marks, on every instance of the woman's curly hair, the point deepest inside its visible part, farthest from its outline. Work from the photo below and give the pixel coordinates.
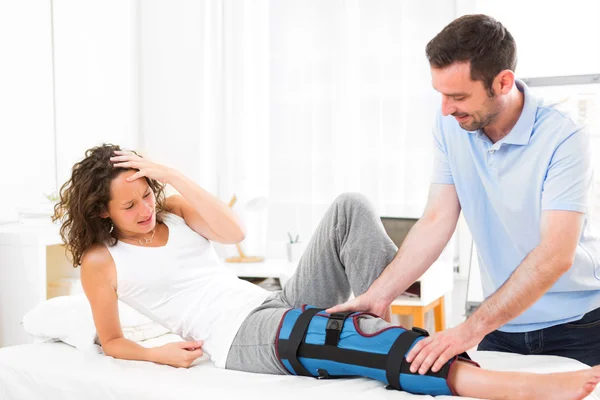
(84, 198)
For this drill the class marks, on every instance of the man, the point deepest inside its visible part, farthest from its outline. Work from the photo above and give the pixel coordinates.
(521, 173)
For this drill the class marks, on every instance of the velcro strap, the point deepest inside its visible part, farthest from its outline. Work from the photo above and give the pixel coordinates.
(335, 323)
(396, 361)
(290, 352)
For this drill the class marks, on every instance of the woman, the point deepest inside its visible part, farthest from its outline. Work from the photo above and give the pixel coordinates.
(155, 254)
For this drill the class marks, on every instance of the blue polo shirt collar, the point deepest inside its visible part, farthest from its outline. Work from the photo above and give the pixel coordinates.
(523, 129)
(521, 132)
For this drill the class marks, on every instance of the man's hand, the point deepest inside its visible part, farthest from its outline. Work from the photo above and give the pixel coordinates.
(437, 349)
(364, 303)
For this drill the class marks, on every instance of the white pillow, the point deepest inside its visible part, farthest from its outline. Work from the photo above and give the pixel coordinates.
(69, 319)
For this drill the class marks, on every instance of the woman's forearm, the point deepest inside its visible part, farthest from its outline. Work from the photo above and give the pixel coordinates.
(128, 350)
(218, 215)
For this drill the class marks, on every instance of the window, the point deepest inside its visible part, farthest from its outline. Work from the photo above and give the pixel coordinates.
(578, 97)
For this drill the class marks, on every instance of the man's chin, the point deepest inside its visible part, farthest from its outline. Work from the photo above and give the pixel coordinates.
(469, 127)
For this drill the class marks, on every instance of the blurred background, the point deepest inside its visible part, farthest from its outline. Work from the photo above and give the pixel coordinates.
(284, 104)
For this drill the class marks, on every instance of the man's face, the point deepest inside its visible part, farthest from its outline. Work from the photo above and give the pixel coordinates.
(465, 99)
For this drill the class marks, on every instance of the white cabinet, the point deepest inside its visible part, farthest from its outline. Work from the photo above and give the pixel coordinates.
(31, 258)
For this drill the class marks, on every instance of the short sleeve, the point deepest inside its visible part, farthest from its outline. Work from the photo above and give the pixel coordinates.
(441, 167)
(568, 181)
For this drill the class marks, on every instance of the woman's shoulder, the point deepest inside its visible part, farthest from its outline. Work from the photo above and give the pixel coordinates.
(98, 267)
(172, 217)
(172, 210)
(97, 257)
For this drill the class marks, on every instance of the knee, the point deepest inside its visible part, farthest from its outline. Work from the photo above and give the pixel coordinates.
(354, 202)
(352, 199)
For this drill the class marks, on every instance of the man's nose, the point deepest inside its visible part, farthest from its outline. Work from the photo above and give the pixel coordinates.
(447, 106)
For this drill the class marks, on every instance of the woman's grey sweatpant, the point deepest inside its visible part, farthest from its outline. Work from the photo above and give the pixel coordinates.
(348, 251)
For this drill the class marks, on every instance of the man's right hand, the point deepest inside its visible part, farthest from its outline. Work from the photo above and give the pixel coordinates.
(363, 303)
(178, 354)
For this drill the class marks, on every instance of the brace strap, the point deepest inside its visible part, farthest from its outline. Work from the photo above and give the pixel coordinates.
(396, 362)
(335, 323)
(290, 351)
(397, 352)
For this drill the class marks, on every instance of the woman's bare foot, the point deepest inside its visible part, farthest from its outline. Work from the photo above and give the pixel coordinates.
(562, 386)
(471, 381)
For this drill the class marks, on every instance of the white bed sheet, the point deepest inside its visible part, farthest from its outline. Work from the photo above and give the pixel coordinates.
(59, 371)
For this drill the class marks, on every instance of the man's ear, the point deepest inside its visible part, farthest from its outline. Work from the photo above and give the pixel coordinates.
(506, 80)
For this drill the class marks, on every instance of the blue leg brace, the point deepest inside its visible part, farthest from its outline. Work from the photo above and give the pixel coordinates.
(313, 343)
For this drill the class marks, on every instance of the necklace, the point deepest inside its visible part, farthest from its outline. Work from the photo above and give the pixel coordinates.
(146, 240)
(142, 240)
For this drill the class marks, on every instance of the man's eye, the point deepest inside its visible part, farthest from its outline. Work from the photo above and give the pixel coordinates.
(459, 98)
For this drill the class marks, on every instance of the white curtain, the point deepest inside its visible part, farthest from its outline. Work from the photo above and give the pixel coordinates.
(204, 91)
(66, 85)
(94, 77)
(26, 106)
(349, 107)
(180, 52)
(294, 101)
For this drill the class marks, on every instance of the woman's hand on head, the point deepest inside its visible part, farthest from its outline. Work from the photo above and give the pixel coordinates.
(178, 354)
(145, 167)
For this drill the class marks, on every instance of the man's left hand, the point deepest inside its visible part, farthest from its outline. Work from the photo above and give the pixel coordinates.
(436, 350)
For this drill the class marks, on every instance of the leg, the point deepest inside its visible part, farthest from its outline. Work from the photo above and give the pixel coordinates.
(470, 381)
(579, 340)
(253, 348)
(365, 338)
(504, 342)
(347, 252)
(314, 343)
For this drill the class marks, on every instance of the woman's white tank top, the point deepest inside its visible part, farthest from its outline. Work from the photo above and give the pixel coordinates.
(186, 288)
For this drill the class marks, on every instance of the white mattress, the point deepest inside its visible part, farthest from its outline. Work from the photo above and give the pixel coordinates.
(59, 371)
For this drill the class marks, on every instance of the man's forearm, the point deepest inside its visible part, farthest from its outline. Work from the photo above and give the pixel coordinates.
(420, 249)
(533, 277)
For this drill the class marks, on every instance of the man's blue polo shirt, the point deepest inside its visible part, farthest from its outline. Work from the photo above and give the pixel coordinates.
(544, 163)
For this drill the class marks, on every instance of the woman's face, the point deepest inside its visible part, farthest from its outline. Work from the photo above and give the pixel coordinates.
(132, 205)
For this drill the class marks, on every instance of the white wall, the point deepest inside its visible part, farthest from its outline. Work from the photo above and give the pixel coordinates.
(235, 106)
(68, 67)
(96, 77)
(179, 106)
(26, 111)
(552, 38)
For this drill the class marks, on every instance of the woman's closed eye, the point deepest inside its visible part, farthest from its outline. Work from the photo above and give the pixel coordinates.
(132, 204)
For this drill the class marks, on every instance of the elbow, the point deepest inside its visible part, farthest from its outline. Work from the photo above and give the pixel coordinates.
(240, 236)
(442, 222)
(564, 265)
(108, 347)
(559, 265)
(107, 350)
(234, 237)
